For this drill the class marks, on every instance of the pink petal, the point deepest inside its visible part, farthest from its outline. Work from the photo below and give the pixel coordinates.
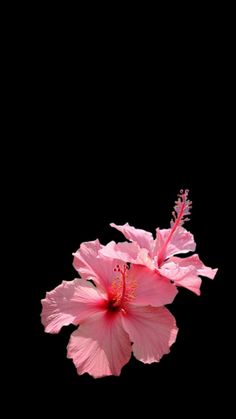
(174, 270)
(191, 281)
(182, 241)
(83, 255)
(91, 265)
(127, 252)
(195, 261)
(70, 302)
(143, 238)
(184, 272)
(100, 346)
(151, 288)
(152, 331)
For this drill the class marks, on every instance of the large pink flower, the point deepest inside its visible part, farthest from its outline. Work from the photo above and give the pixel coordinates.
(158, 254)
(124, 306)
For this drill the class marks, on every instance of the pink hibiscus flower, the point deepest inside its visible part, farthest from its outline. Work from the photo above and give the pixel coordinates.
(158, 255)
(122, 306)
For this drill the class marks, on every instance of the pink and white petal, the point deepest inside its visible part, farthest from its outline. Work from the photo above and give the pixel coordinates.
(151, 288)
(183, 274)
(195, 261)
(83, 257)
(69, 303)
(180, 267)
(91, 265)
(143, 238)
(145, 260)
(125, 251)
(128, 253)
(152, 330)
(174, 270)
(100, 346)
(191, 281)
(182, 241)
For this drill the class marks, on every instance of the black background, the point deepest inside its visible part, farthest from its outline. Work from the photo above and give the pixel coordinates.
(112, 135)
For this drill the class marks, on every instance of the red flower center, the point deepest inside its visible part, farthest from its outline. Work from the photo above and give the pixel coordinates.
(122, 290)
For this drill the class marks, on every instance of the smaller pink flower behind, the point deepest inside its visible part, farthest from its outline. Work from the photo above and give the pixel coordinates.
(158, 255)
(121, 313)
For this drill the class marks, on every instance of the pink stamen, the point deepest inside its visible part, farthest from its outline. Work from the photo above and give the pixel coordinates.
(181, 210)
(123, 274)
(121, 297)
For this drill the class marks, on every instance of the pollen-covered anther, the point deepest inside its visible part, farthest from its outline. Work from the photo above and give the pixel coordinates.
(123, 286)
(131, 285)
